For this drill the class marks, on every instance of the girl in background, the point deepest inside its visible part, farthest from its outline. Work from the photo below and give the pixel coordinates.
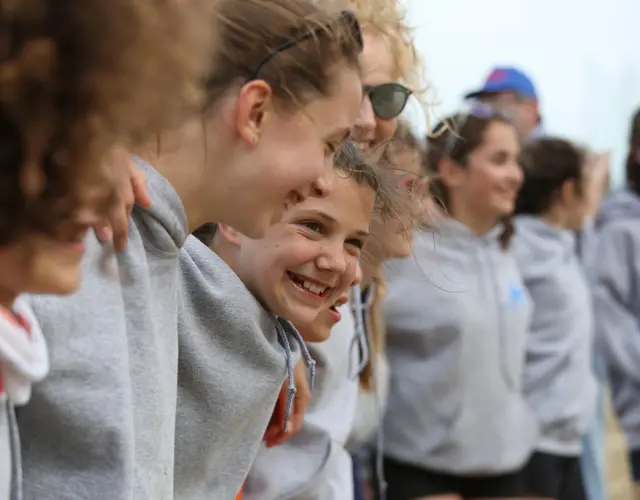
(559, 382)
(457, 424)
(315, 461)
(616, 298)
(106, 416)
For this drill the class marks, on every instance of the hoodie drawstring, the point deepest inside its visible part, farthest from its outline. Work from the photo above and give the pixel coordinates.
(309, 361)
(368, 328)
(360, 338)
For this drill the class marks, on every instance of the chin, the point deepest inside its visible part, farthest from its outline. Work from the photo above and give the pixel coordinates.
(57, 283)
(315, 334)
(505, 208)
(319, 329)
(403, 251)
(399, 247)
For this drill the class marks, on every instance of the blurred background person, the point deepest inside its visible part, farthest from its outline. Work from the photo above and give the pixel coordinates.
(512, 92)
(457, 423)
(616, 298)
(559, 382)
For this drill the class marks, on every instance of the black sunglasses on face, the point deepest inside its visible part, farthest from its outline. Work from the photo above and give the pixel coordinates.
(346, 18)
(388, 100)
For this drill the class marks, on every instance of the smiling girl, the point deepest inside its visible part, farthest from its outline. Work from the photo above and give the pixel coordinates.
(457, 316)
(389, 67)
(238, 339)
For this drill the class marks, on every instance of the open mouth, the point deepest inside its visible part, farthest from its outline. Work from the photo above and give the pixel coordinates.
(308, 286)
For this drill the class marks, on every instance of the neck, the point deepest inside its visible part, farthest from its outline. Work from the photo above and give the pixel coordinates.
(181, 156)
(478, 224)
(555, 218)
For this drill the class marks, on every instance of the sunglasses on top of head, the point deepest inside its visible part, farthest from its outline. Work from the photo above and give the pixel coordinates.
(388, 100)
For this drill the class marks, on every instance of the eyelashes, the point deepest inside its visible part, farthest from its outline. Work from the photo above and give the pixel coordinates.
(319, 228)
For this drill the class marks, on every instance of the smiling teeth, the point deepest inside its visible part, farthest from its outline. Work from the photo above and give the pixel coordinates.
(317, 289)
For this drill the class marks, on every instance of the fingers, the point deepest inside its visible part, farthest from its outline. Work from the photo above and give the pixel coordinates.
(131, 188)
(275, 430)
(139, 186)
(103, 232)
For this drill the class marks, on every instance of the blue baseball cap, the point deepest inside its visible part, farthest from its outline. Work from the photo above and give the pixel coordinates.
(505, 79)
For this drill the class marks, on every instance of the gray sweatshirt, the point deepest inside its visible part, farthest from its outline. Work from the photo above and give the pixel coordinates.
(314, 465)
(102, 425)
(457, 318)
(234, 357)
(559, 382)
(616, 298)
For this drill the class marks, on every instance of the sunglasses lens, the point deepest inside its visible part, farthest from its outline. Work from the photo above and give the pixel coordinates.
(388, 100)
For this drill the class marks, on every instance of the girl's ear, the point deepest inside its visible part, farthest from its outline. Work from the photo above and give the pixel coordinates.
(230, 234)
(252, 110)
(450, 172)
(569, 192)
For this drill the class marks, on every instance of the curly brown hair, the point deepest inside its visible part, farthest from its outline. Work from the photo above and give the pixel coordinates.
(77, 78)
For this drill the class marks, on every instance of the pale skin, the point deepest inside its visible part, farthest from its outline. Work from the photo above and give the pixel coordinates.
(319, 239)
(486, 188)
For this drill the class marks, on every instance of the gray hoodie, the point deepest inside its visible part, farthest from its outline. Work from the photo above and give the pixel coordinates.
(234, 357)
(457, 318)
(616, 297)
(559, 382)
(102, 425)
(313, 464)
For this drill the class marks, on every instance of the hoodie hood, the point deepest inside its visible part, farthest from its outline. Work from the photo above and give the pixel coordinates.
(449, 229)
(163, 225)
(620, 204)
(541, 246)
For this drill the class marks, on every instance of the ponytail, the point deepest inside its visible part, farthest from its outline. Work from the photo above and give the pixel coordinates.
(508, 230)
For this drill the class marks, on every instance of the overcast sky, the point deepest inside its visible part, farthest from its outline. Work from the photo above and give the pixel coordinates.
(583, 55)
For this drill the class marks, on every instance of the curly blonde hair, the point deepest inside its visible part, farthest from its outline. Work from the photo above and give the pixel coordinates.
(388, 19)
(77, 78)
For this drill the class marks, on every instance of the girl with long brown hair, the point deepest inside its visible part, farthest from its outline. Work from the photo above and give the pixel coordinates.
(457, 424)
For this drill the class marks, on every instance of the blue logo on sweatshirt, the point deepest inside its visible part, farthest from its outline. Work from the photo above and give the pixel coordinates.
(517, 295)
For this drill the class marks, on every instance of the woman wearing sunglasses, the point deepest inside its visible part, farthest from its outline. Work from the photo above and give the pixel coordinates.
(314, 463)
